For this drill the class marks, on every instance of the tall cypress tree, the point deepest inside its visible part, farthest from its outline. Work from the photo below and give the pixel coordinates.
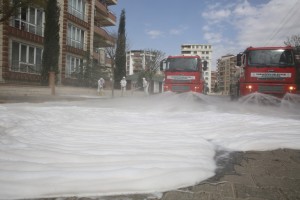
(51, 41)
(120, 62)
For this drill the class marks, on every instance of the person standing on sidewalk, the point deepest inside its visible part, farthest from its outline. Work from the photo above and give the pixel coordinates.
(101, 83)
(145, 86)
(123, 83)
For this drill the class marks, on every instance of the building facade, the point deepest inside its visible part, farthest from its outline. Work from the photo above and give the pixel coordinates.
(226, 68)
(213, 78)
(82, 33)
(205, 52)
(137, 60)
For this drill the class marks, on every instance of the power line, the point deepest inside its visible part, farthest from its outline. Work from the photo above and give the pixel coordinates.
(284, 20)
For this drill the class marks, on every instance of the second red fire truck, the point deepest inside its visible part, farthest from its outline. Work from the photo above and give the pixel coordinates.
(268, 70)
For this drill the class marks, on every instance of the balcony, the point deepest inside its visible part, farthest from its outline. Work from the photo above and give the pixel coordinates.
(111, 2)
(26, 31)
(103, 17)
(77, 13)
(102, 38)
(76, 47)
(76, 44)
(28, 27)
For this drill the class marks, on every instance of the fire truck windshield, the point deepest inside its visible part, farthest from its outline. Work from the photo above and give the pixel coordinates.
(278, 57)
(182, 64)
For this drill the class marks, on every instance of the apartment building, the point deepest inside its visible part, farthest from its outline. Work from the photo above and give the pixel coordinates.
(82, 33)
(226, 68)
(213, 77)
(137, 60)
(205, 52)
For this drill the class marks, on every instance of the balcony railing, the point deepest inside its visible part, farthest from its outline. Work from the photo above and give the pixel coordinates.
(18, 66)
(108, 39)
(103, 15)
(28, 27)
(111, 2)
(77, 13)
(76, 44)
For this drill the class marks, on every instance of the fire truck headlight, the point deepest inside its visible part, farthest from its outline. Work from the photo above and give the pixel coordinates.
(249, 87)
(292, 88)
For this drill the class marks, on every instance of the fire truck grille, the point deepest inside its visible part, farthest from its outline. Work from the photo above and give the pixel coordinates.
(270, 89)
(181, 81)
(180, 88)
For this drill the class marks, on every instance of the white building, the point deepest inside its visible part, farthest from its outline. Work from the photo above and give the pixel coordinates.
(205, 52)
(136, 61)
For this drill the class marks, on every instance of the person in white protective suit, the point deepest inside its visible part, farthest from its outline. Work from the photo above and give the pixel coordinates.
(123, 83)
(101, 83)
(145, 86)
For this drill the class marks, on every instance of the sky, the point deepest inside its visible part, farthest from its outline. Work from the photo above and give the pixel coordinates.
(151, 144)
(229, 26)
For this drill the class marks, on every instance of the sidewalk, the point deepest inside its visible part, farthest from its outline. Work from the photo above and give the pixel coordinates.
(13, 93)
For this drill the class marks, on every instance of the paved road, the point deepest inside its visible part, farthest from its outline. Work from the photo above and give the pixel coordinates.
(267, 175)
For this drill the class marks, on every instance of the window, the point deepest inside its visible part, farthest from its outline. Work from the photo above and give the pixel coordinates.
(75, 37)
(77, 8)
(270, 57)
(26, 58)
(72, 65)
(30, 19)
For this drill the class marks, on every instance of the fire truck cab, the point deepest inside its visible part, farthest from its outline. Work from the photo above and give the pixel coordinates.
(184, 73)
(267, 70)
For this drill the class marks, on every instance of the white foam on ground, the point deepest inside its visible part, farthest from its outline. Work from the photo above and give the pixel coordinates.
(130, 145)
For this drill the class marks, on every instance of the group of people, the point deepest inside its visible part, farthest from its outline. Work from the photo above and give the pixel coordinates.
(123, 84)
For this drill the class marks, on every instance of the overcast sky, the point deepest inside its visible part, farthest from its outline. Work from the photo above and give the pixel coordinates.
(229, 25)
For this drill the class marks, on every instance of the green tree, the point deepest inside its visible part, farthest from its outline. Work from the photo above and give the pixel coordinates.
(152, 64)
(120, 59)
(216, 87)
(294, 41)
(79, 75)
(152, 60)
(89, 72)
(111, 53)
(51, 41)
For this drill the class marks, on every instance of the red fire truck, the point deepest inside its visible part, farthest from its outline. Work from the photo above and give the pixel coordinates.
(184, 74)
(267, 70)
